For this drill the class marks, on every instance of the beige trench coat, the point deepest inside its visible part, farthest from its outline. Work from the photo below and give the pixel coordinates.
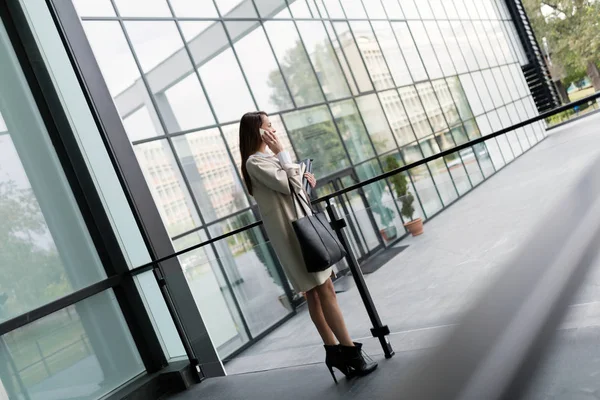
(271, 189)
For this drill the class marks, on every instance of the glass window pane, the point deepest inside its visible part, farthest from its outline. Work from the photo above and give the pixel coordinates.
(439, 46)
(393, 9)
(46, 354)
(432, 107)
(46, 250)
(251, 265)
(396, 115)
(169, 74)
(300, 9)
(499, 80)
(352, 129)
(204, 273)
(461, 8)
(315, 136)
(426, 50)
(230, 98)
(98, 8)
(450, 9)
(425, 188)
(372, 54)
(272, 8)
(503, 41)
(194, 8)
(519, 78)
(159, 314)
(485, 43)
(353, 9)
(512, 88)
(438, 9)
(416, 113)
(478, 163)
(210, 173)
(154, 42)
(391, 51)
(513, 140)
(484, 94)
(376, 123)
(470, 94)
(453, 47)
(263, 73)
(409, 49)
(183, 106)
(375, 9)
(294, 62)
(113, 55)
(166, 184)
(492, 144)
(444, 96)
(334, 8)
(342, 57)
(140, 124)
(478, 51)
(471, 8)
(502, 140)
(236, 9)
(410, 9)
(488, 76)
(439, 171)
(492, 35)
(323, 59)
(465, 46)
(481, 10)
(460, 98)
(347, 45)
(143, 8)
(424, 9)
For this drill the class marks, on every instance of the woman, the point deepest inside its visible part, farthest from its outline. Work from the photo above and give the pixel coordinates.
(270, 180)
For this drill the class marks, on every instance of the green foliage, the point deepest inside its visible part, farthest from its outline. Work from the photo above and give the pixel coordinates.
(400, 184)
(22, 257)
(572, 33)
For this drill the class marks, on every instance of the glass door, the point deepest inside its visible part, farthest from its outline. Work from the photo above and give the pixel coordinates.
(362, 228)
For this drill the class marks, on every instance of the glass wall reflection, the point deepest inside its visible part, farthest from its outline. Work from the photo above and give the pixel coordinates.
(350, 84)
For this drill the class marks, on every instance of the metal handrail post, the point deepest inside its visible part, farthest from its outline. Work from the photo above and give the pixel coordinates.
(379, 330)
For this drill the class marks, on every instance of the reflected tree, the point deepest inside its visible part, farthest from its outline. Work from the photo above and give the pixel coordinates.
(22, 255)
(318, 140)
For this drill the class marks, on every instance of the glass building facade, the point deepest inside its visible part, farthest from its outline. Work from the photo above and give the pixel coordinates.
(355, 85)
(358, 86)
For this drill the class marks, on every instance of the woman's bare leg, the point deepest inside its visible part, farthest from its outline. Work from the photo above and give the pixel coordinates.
(316, 315)
(332, 313)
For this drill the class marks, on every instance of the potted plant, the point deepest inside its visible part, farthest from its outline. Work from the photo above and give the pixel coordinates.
(414, 226)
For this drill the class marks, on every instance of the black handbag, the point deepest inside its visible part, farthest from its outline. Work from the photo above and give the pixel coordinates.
(320, 246)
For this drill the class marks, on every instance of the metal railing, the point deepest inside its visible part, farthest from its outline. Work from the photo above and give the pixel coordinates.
(379, 330)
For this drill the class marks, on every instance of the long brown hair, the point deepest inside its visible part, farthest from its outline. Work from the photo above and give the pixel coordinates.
(250, 140)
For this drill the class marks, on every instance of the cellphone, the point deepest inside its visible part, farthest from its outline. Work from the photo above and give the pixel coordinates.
(262, 132)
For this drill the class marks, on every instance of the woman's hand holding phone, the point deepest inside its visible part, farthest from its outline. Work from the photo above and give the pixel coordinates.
(272, 141)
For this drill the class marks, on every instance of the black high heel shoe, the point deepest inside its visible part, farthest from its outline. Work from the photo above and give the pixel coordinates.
(351, 361)
(357, 362)
(333, 359)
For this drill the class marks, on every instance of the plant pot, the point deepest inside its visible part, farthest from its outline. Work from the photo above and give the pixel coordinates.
(415, 227)
(390, 233)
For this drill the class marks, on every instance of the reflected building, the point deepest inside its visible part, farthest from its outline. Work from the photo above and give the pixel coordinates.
(358, 86)
(351, 93)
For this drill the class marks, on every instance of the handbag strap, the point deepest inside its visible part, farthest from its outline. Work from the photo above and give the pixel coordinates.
(296, 197)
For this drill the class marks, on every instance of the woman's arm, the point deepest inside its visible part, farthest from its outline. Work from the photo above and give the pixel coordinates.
(275, 177)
